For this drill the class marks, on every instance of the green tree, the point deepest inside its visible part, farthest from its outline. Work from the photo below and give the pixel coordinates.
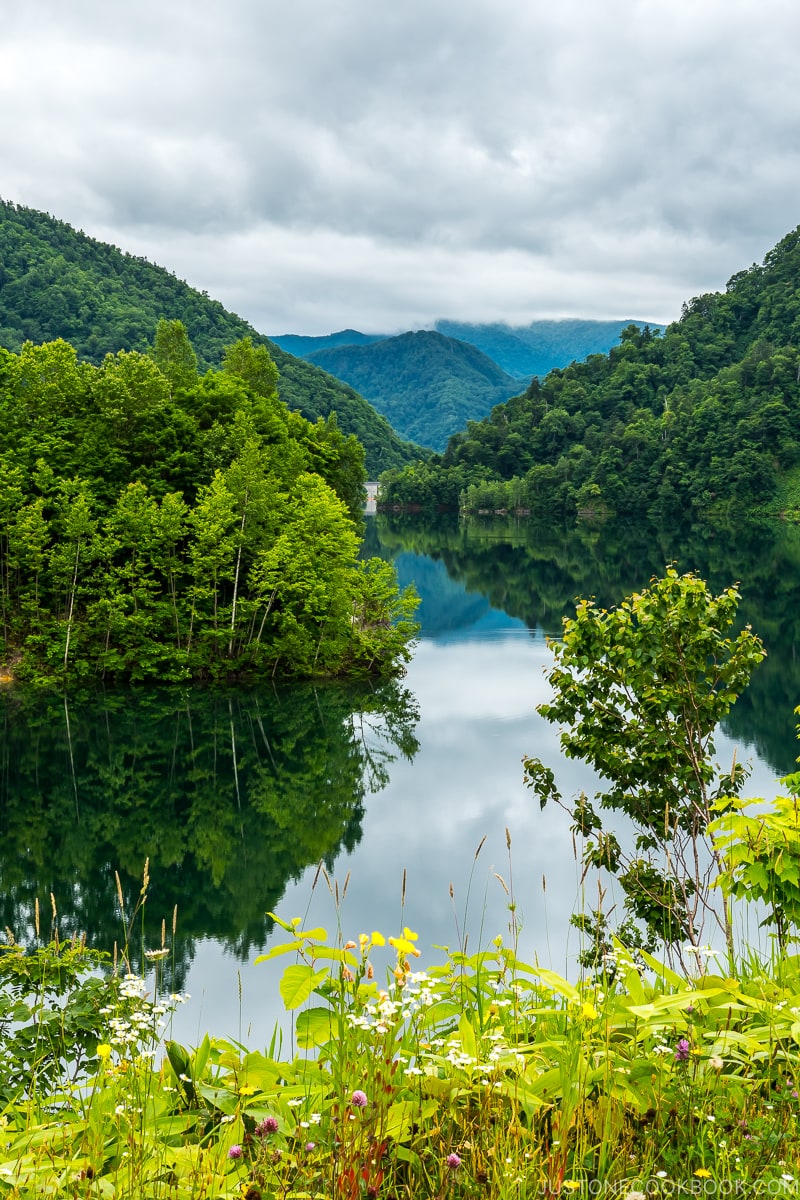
(639, 691)
(253, 364)
(173, 354)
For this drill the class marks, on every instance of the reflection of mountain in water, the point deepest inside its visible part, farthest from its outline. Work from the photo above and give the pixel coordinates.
(534, 574)
(229, 795)
(446, 608)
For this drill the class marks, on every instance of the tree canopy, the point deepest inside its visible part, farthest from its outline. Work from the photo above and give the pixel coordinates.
(56, 282)
(159, 523)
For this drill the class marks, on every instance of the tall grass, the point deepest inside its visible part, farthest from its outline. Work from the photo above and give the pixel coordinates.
(478, 1075)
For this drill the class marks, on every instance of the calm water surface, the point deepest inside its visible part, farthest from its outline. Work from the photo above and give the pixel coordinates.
(237, 796)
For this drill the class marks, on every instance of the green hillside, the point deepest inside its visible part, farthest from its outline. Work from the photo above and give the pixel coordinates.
(427, 385)
(56, 282)
(541, 346)
(699, 421)
(302, 345)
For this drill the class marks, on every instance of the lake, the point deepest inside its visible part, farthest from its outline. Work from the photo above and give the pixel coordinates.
(236, 796)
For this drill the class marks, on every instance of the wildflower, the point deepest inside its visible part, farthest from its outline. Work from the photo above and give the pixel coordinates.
(572, 1184)
(359, 1099)
(716, 1063)
(682, 1050)
(104, 1051)
(155, 954)
(311, 1146)
(703, 1173)
(453, 1161)
(588, 1011)
(235, 1152)
(267, 1126)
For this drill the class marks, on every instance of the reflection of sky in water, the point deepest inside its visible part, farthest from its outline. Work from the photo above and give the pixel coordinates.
(477, 695)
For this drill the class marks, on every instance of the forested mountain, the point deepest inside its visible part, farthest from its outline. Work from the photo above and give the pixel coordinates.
(427, 385)
(521, 350)
(56, 282)
(302, 345)
(702, 420)
(161, 524)
(535, 349)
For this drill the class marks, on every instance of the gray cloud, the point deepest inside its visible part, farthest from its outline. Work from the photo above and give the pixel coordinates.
(317, 166)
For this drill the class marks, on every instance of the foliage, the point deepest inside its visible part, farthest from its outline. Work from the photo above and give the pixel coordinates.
(701, 420)
(760, 855)
(478, 1075)
(163, 525)
(56, 282)
(533, 570)
(639, 691)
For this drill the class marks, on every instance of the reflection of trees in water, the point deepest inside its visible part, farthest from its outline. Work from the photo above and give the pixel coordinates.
(536, 572)
(229, 794)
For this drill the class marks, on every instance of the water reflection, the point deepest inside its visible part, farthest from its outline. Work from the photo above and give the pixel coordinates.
(229, 795)
(236, 796)
(534, 573)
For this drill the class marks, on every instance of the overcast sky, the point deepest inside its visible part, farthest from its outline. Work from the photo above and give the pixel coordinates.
(318, 165)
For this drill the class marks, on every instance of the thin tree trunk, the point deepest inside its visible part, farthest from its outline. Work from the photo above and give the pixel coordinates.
(72, 602)
(236, 577)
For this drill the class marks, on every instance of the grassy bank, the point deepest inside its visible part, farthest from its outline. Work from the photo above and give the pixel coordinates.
(480, 1075)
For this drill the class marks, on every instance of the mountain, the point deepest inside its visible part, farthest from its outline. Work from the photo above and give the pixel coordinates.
(55, 282)
(302, 346)
(427, 385)
(521, 350)
(535, 349)
(699, 422)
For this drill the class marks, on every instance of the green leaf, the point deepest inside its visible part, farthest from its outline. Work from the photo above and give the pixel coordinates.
(275, 951)
(466, 1033)
(298, 982)
(314, 1028)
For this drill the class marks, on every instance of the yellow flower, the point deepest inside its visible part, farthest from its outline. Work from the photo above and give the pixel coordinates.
(378, 939)
(247, 1090)
(703, 1173)
(572, 1184)
(104, 1051)
(404, 946)
(589, 1011)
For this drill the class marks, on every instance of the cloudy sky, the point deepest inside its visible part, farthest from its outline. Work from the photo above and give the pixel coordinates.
(317, 165)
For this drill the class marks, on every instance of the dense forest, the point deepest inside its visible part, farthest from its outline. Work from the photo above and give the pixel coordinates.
(426, 385)
(702, 420)
(56, 282)
(157, 522)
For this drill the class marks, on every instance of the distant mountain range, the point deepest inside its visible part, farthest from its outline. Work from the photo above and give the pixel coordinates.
(428, 386)
(535, 349)
(431, 383)
(57, 282)
(521, 350)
